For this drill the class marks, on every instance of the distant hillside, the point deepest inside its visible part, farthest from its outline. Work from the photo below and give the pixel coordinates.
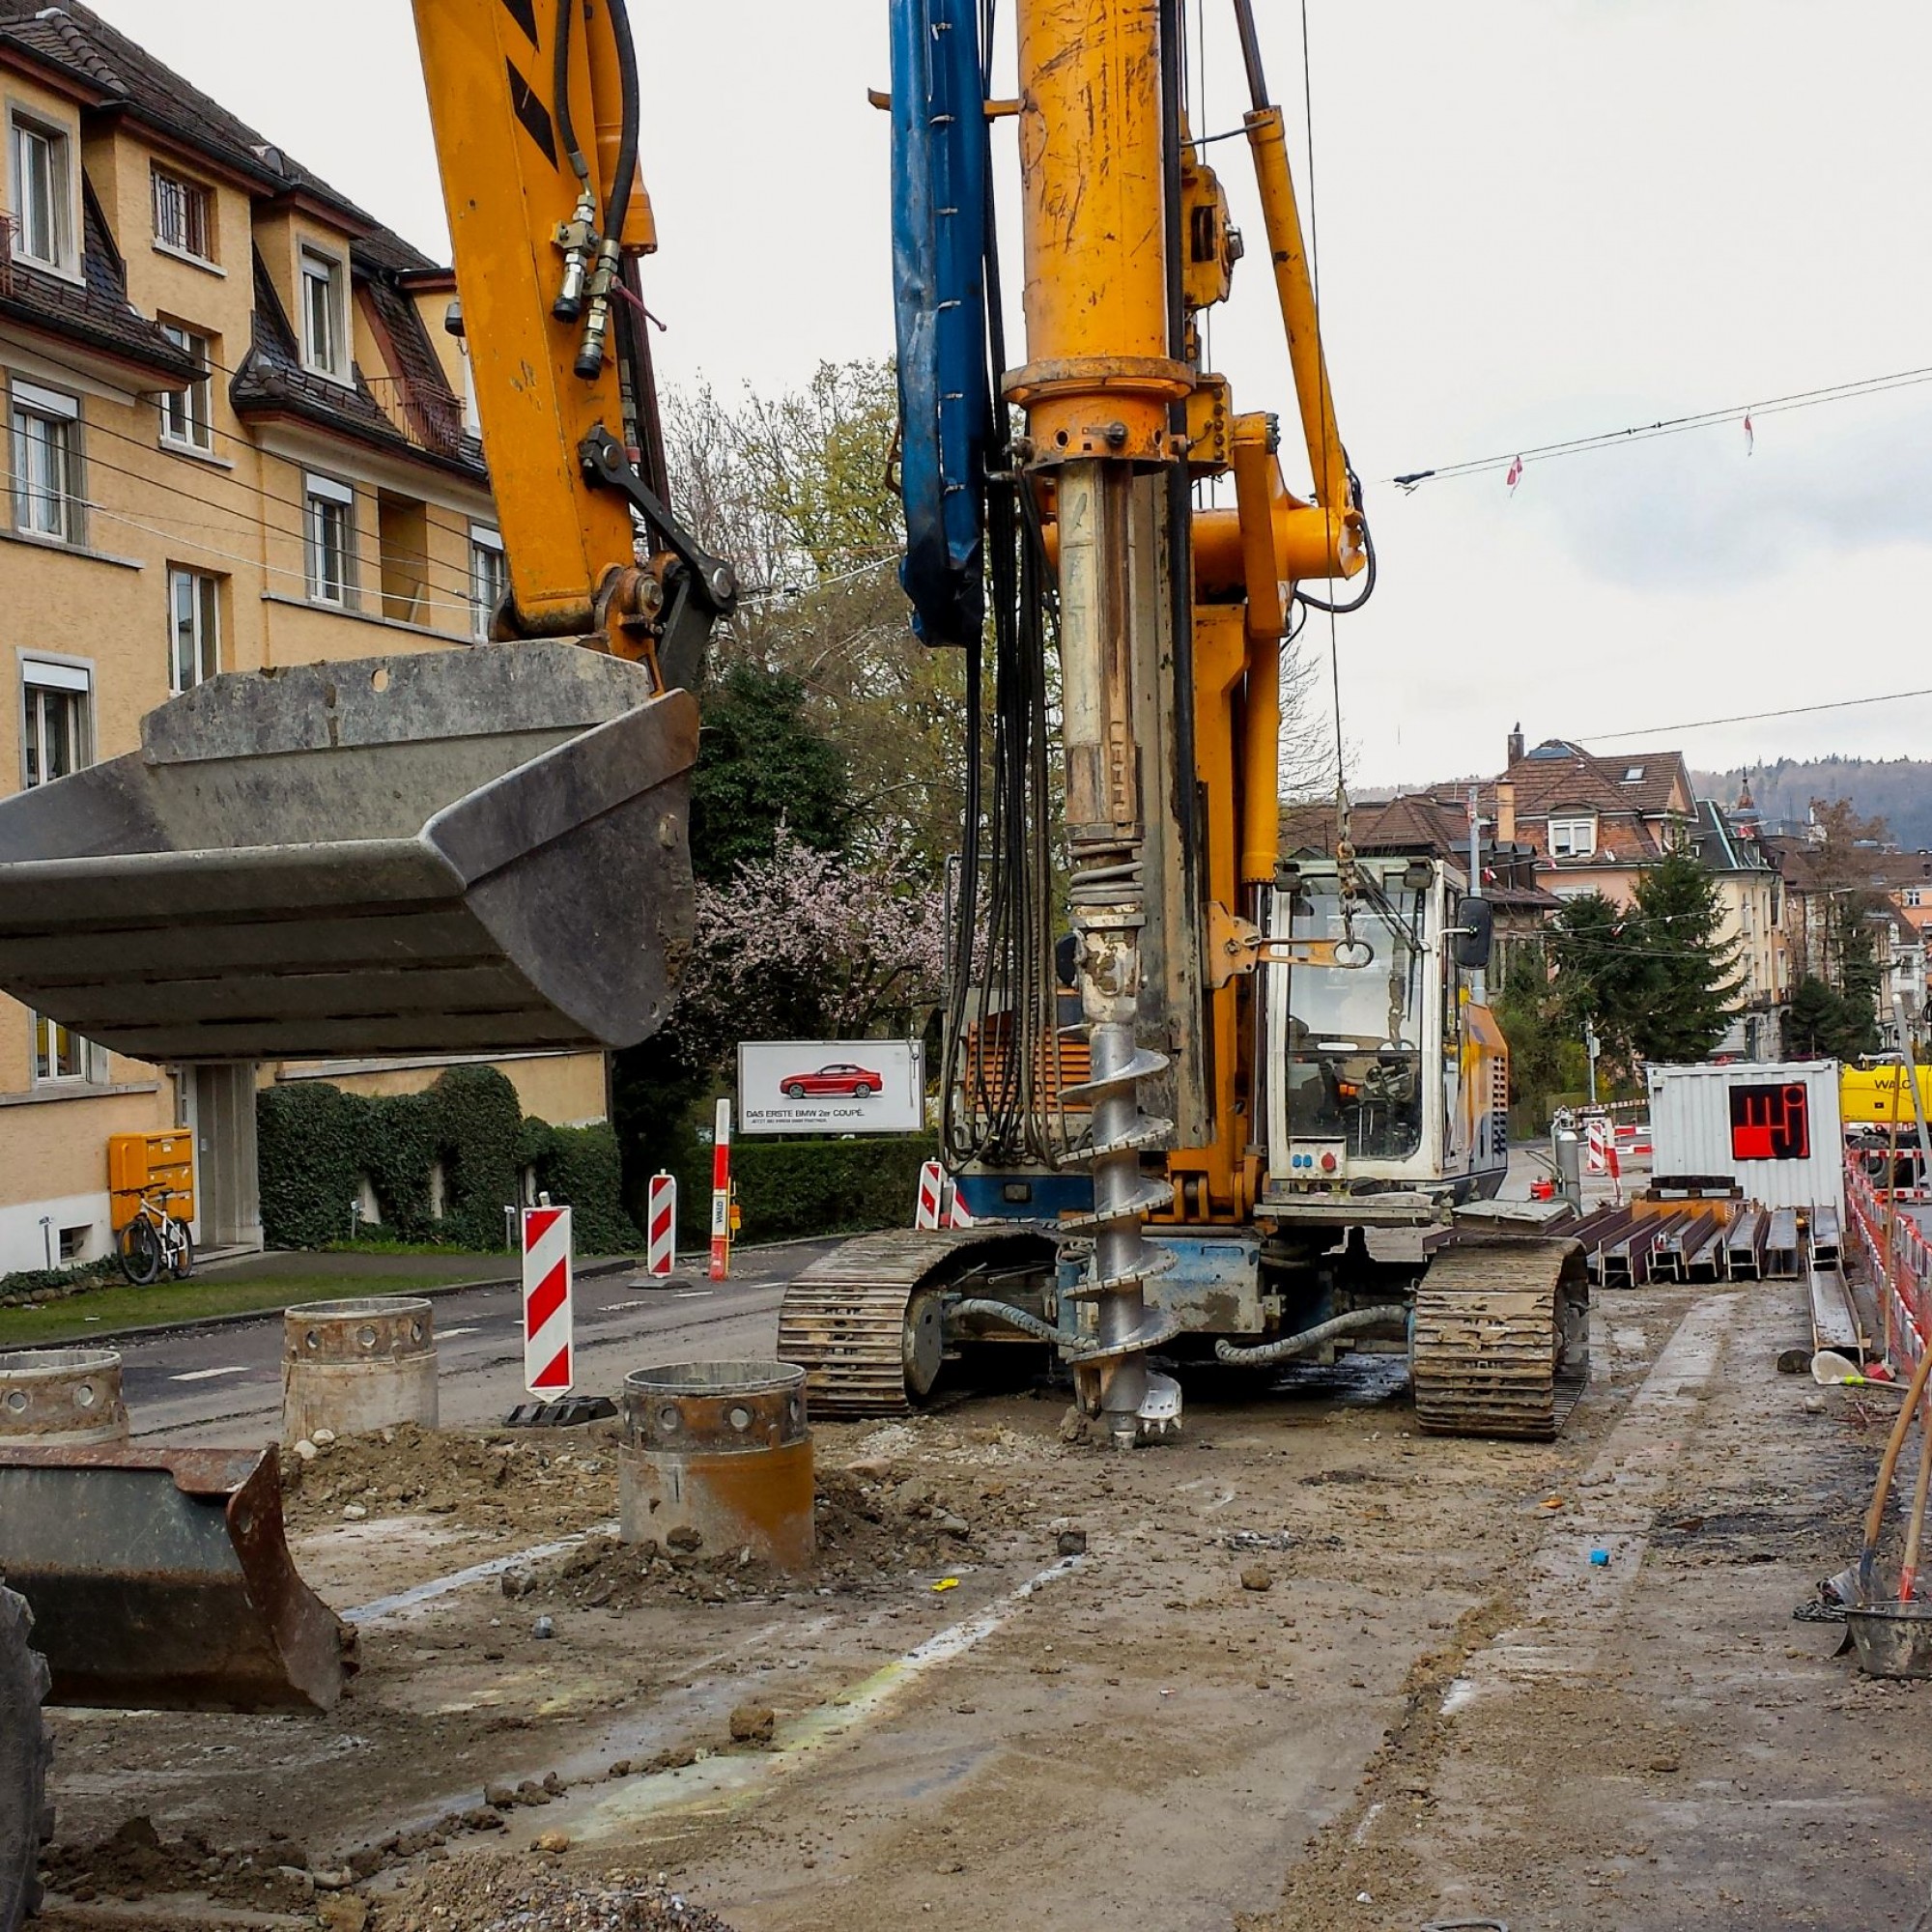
(1898, 790)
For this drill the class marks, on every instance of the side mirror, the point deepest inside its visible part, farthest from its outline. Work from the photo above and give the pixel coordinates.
(1475, 941)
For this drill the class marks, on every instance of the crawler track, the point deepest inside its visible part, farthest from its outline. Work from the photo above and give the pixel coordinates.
(1501, 1338)
(865, 1323)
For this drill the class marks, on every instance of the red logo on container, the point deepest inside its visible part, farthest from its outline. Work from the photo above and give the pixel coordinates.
(1770, 1123)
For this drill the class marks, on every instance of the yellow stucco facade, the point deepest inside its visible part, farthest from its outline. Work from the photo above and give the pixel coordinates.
(156, 531)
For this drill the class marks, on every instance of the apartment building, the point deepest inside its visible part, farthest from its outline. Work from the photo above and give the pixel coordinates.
(237, 437)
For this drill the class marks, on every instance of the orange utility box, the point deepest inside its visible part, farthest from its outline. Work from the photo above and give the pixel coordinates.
(137, 1162)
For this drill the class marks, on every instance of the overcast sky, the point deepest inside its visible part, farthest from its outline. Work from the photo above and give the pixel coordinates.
(1536, 218)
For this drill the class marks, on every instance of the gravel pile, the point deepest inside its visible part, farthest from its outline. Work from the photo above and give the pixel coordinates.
(520, 1895)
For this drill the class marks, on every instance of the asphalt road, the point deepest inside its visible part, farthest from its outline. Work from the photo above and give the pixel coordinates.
(221, 1386)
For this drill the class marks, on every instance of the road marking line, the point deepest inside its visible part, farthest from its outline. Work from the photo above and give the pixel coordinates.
(208, 1374)
(478, 1573)
(728, 1782)
(696, 1293)
(450, 1334)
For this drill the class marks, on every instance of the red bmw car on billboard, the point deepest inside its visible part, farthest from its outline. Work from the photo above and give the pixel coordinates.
(841, 1080)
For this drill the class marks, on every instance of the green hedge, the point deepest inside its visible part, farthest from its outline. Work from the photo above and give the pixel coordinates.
(788, 1187)
(317, 1142)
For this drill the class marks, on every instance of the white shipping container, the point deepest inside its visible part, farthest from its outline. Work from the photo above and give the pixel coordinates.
(1773, 1128)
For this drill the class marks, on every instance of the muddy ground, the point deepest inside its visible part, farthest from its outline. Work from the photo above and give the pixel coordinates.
(1300, 1668)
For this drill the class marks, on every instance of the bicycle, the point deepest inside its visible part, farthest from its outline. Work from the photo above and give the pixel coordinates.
(154, 1239)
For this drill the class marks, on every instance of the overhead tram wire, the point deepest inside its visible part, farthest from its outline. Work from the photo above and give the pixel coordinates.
(1757, 717)
(1615, 438)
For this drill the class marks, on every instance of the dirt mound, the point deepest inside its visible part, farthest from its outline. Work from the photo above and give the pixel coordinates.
(135, 1861)
(560, 1479)
(867, 1524)
(519, 1894)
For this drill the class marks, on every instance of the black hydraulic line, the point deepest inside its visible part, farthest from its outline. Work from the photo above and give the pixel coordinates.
(625, 177)
(634, 346)
(559, 90)
(1310, 1338)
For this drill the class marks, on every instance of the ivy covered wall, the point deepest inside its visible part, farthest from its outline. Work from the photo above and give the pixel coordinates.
(442, 1164)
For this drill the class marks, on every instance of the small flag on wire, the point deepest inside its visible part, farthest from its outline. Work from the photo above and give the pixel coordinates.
(1751, 436)
(1515, 475)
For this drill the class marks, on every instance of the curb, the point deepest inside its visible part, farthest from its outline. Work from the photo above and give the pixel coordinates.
(585, 1271)
(589, 1270)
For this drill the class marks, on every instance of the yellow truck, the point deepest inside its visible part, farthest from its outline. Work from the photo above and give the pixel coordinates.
(1874, 1094)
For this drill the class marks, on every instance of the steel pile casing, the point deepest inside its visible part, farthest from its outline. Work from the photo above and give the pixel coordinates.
(60, 1399)
(354, 1365)
(723, 1449)
(161, 1579)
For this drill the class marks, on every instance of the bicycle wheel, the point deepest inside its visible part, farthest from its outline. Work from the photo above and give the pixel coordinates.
(140, 1251)
(181, 1250)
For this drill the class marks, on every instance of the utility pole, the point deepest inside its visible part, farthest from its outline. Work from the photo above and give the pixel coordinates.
(1592, 1046)
(1477, 978)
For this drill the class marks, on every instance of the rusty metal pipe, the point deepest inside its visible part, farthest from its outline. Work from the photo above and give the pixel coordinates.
(722, 1451)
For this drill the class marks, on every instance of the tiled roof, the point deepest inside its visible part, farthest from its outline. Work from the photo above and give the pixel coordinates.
(106, 65)
(98, 312)
(273, 380)
(1411, 822)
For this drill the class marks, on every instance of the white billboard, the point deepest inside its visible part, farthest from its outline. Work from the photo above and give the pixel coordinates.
(831, 1086)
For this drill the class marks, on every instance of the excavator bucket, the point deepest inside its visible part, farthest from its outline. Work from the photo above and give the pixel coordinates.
(477, 850)
(160, 1580)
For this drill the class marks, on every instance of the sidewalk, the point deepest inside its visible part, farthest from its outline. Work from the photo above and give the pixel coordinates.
(255, 1284)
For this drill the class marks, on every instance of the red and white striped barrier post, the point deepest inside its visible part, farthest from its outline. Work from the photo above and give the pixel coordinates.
(957, 1213)
(661, 1231)
(548, 1368)
(720, 1194)
(928, 1209)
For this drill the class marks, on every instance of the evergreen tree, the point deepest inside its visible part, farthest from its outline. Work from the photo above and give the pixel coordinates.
(1604, 974)
(1695, 989)
(1824, 1024)
(761, 761)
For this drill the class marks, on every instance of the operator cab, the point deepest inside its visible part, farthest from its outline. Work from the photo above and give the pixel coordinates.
(1375, 1068)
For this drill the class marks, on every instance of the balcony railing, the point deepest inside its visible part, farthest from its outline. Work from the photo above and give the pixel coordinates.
(429, 421)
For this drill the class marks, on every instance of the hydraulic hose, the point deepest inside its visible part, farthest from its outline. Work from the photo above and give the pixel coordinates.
(559, 90)
(625, 177)
(1019, 1318)
(1310, 1338)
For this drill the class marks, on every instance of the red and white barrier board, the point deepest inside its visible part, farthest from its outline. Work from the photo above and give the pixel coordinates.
(927, 1211)
(661, 1235)
(547, 1366)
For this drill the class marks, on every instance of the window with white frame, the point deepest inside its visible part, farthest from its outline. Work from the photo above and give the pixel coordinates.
(184, 216)
(330, 545)
(1572, 837)
(48, 498)
(194, 628)
(1909, 896)
(56, 735)
(489, 576)
(325, 315)
(44, 210)
(186, 418)
(59, 1054)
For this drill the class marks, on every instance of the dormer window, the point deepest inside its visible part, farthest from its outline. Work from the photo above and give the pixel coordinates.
(44, 196)
(324, 314)
(1573, 837)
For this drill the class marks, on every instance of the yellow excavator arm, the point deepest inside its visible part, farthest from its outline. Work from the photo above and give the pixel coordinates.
(535, 109)
(468, 850)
